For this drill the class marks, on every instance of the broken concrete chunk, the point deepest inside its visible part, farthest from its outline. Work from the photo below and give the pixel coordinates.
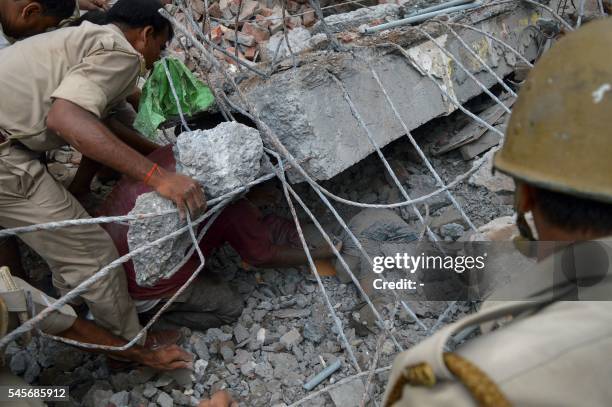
(164, 400)
(244, 39)
(346, 21)
(223, 158)
(158, 261)
(452, 230)
(298, 41)
(291, 338)
(348, 395)
(120, 399)
(241, 333)
(259, 33)
(484, 176)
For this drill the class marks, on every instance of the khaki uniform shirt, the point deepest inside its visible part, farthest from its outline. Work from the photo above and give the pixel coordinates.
(92, 66)
(551, 353)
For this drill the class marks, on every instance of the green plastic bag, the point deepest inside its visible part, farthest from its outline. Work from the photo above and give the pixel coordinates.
(157, 102)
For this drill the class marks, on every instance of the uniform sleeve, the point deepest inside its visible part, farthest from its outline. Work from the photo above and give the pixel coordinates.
(101, 79)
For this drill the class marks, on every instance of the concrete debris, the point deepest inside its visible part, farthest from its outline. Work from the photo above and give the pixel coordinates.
(164, 400)
(299, 40)
(348, 394)
(223, 159)
(158, 261)
(452, 231)
(500, 229)
(120, 399)
(241, 333)
(347, 21)
(198, 345)
(291, 339)
(484, 177)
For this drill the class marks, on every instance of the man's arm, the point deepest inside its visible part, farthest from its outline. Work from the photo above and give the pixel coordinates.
(92, 138)
(168, 358)
(131, 137)
(287, 256)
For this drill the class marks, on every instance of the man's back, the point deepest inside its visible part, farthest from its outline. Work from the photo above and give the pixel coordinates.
(92, 66)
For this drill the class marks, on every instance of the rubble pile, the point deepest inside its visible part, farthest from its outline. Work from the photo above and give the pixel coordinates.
(254, 30)
(285, 334)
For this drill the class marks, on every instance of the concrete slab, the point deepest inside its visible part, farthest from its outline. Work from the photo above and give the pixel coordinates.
(307, 110)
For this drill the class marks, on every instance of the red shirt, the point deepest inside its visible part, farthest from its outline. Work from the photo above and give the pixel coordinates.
(240, 224)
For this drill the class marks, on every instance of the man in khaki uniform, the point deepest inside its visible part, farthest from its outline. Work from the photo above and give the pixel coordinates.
(553, 351)
(56, 88)
(23, 18)
(18, 297)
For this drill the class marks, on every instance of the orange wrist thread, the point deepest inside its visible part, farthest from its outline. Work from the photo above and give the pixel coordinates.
(150, 173)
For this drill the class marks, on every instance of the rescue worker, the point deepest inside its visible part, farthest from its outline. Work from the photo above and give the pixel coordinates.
(56, 89)
(551, 351)
(23, 18)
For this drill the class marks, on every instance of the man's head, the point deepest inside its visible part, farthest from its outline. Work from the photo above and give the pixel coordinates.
(23, 18)
(558, 145)
(144, 27)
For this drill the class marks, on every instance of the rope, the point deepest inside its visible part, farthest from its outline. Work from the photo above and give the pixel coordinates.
(481, 387)
(484, 390)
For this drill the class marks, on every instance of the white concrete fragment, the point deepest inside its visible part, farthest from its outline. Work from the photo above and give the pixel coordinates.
(298, 41)
(484, 177)
(158, 261)
(223, 158)
(348, 395)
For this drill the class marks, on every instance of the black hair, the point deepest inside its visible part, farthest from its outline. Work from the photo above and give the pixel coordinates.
(61, 9)
(574, 213)
(98, 17)
(139, 14)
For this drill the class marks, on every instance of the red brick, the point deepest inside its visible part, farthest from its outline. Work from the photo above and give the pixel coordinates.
(293, 22)
(265, 11)
(292, 6)
(249, 53)
(261, 34)
(309, 17)
(216, 34)
(232, 51)
(215, 11)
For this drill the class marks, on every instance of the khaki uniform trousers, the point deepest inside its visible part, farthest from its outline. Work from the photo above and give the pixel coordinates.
(30, 195)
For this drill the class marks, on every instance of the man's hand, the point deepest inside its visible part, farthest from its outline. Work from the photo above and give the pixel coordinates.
(185, 192)
(87, 134)
(93, 4)
(219, 399)
(167, 358)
